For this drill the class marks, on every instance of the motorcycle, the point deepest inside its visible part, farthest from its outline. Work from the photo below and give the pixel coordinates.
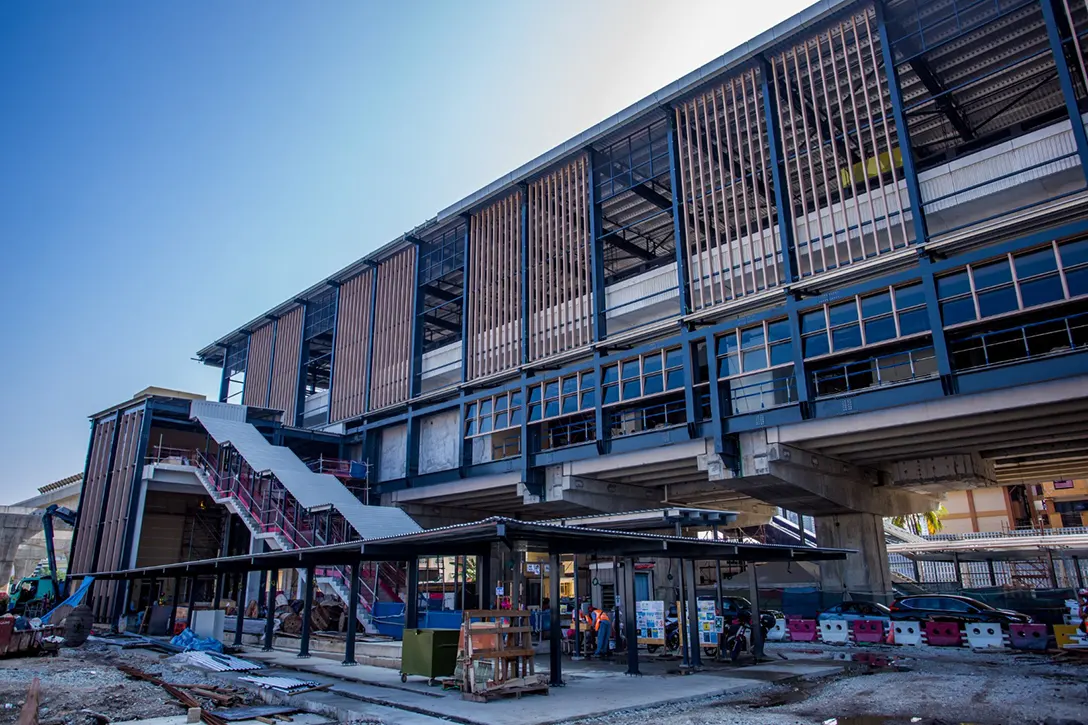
(740, 633)
(672, 636)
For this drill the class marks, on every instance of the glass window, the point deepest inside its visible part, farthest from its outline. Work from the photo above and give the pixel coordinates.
(630, 369)
(534, 394)
(551, 408)
(534, 412)
(913, 321)
(515, 399)
(610, 374)
(551, 389)
(653, 384)
(588, 399)
(751, 337)
(961, 310)
(589, 380)
(1041, 290)
(470, 428)
(879, 304)
(815, 345)
(570, 384)
(1033, 263)
(570, 404)
(953, 284)
(843, 313)
(778, 330)
(1077, 280)
(611, 394)
(500, 403)
(755, 359)
(471, 412)
(485, 424)
(992, 275)
(782, 353)
(485, 407)
(911, 296)
(674, 379)
(651, 363)
(515, 417)
(1074, 253)
(727, 343)
(844, 338)
(813, 321)
(728, 365)
(879, 330)
(674, 358)
(501, 421)
(995, 302)
(632, 389)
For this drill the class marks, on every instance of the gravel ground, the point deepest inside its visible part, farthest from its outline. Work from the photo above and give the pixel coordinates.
(88, 679)
(926, 687)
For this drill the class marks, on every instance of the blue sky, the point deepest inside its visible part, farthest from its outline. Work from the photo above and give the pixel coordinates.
(173, 169)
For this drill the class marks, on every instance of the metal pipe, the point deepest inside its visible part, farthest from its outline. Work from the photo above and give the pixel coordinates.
(693, 615)
(630, 625)
(353, 617)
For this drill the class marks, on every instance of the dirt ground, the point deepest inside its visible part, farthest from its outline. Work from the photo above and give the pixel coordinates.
(924, 687)
(78, 682)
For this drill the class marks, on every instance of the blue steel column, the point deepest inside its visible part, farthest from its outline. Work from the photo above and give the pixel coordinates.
(690, 403)
(332, 352)
(127, 544)
(245, 373)
(524, 273)
(370, 333)
(596, 254)
(82, 496)
(677, 210)
(914, 193)
(271, 362)
(224, 379)
(781, 202)
(415, 362)
(603, 438)
(467, 218)
(714, 387)
(1061, 63)
(785, 235)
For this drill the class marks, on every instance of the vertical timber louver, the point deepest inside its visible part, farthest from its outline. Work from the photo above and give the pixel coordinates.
(349, 374)
(259, 367)
(494, 300)
(94, 486)
(560, 287)
(284, 391)
(843, 166)
(728, 208)
(393, 318)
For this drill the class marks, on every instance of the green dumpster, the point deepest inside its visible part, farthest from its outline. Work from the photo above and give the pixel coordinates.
(428, 653)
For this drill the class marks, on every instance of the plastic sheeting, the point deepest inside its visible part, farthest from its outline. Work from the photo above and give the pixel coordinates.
(72, 601)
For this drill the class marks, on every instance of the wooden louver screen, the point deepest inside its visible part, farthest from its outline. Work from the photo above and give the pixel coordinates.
(285, 363)
(347, 398)
(259, 367)
(560, 287)
(494, 294)
(393, 330)
(843, 164)
(728, 197)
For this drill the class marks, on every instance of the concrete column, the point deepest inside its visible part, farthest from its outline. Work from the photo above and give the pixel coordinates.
(864, 575)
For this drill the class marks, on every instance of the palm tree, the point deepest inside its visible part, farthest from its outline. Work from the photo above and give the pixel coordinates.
(930, 520)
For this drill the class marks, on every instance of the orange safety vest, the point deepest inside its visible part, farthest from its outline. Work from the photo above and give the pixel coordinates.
(600, 616)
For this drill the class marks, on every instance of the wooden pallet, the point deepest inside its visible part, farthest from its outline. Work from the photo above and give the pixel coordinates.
(498, 640)
(498, 693)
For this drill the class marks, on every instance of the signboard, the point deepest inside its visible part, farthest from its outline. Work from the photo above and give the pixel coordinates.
(650, 620)
(499, 591)
(708, 624)
(532, 568)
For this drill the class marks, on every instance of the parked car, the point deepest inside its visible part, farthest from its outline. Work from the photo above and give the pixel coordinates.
(850, 611)
(951, 608)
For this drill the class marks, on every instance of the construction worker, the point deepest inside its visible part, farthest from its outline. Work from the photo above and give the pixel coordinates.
(602, 625)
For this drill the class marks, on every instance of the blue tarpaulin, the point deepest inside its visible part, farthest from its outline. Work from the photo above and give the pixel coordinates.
(73, 600)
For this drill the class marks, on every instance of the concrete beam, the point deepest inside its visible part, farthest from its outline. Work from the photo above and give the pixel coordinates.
(947, 472)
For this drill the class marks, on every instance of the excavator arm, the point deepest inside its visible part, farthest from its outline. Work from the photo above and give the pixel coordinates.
(67, 516)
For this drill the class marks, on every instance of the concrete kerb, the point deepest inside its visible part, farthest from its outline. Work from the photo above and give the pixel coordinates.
(585, 696)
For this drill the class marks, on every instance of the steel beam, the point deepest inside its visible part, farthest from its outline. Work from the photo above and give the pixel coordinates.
(596, 254)
(777, 161)
(224, 378)
(1065, 79)
(678, 228)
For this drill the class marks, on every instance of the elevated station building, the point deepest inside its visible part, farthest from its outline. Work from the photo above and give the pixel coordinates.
(842, 270)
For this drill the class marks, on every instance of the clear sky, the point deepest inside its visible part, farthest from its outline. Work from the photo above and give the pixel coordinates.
(170, 170)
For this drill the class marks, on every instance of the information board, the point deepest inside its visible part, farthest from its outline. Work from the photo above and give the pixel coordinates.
(650, 619)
